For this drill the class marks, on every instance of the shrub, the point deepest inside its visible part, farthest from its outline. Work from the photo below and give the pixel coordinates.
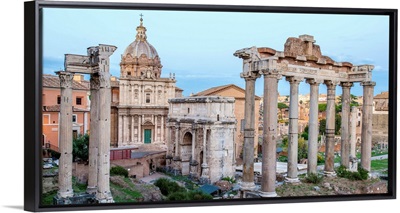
(229, 179)
(282, 158)
(119, 170)
(314, 178)
(361, 173)
(198, 195)
(168, 187)
(80, 148)
(320, 158)
(178, 196)
(190, 195)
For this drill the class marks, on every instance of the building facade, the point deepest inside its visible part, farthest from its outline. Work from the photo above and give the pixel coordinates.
(51, 100)
(201, 137)
(139, 113)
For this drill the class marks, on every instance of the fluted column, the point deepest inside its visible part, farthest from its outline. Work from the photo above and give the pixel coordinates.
(270, 119)
(204, 175)
(344, 131)
(353, 131)
(366, 131)
(193, 162)
(94, 133)
(120, 130)
(313, 127)
(177, 157)
(293, 130)
(162, 128)
(139, 128)
(103, 189)
(65, 166)
(330, 129)
(248, 145)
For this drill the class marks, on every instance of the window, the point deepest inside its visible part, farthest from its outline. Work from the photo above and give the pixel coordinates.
(188, 110)
(147, 98)
(74, 118)
(58, 99)
(78, 100)
(129, 73)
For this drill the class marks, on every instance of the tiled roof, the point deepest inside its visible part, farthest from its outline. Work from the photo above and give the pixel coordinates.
(178, 89)
(213, 90)
(54, 82)
(382, 95)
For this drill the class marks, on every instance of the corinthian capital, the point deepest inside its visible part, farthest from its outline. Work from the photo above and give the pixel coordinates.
(294, 79)
(346, 84)
(330, 84)
(368, 83)
(66, 79)
(314, 81)
(249, 75)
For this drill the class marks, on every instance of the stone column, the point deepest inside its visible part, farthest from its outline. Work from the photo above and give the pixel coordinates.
(313, 127)
(126, 130)
(270, 120)
(366, 129)
(353, 131)
(132, 140)
(65, 166)
(293, 130)
(103, 186)
(139, 129)
(248, 145)
(156, 128)
(330, 129)
(345, 136)
(193, 158)
(120, 130)
(162, 128)
(177, 157)
(204, 175)
(94, 133)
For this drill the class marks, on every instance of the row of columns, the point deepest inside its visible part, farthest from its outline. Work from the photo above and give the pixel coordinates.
(127, 135)
(99, 144)
(271, 79)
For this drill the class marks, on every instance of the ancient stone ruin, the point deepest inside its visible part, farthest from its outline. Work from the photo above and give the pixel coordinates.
(96, 63)
(302, 60)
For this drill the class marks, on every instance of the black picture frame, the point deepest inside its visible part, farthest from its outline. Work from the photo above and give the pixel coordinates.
(33, 100)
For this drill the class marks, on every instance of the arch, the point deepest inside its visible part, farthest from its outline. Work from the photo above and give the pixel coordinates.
(187, 138)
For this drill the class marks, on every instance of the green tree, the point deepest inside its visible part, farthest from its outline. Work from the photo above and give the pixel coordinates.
(282, 106)
(321, 107)
(322, 126)
(80, 148)
(338, 124)
(302, 149)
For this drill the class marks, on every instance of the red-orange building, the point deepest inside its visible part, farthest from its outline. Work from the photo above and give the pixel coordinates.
(51, 108)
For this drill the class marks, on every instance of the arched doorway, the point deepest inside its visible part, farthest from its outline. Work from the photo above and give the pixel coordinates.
(186, 152)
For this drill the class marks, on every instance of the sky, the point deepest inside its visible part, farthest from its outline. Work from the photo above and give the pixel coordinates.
(198, 46)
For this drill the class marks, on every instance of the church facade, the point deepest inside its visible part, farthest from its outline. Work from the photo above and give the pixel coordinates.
(140, 111)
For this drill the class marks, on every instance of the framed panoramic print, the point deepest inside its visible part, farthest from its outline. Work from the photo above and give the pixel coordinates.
(131, 105)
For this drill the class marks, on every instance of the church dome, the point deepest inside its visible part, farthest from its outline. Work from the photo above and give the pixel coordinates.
(141, 45)
(140, 59)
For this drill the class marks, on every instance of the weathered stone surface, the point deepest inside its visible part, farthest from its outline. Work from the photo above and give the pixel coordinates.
(379, 187)
(224, 185)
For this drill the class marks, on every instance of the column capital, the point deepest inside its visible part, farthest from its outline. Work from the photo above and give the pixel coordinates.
(331, 84)
(250, 76)
(94, 81)
(271, 73)
(66, 79)
(105, 80)
(368, 83)
(314, 81)
(294, 79)
(346, 84)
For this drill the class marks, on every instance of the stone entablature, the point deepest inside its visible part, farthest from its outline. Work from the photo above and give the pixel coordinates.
(201, 137)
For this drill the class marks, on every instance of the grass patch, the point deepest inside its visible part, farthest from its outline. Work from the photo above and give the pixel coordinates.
(126, 195)
(378, 165)
(47, 198)
(78, 187)
(314, 178)
(361, 173)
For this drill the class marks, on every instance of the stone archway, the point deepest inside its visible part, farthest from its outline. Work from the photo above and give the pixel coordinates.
(186, 152)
